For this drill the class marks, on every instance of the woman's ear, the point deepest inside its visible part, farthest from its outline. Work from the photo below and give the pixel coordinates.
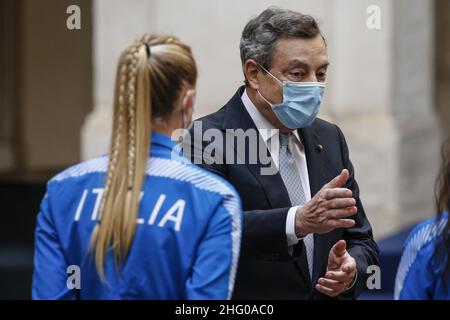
(188, 103)
(251, 71)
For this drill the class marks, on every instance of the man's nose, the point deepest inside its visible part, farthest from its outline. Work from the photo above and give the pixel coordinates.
(311, 77)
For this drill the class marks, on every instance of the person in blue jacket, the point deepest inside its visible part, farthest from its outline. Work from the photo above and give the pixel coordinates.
(424, 269)
(141, 222)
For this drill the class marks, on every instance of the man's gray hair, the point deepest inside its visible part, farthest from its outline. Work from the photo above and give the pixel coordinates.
(262, 32)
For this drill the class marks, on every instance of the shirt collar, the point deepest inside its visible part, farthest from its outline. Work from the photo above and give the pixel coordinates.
(266, 129)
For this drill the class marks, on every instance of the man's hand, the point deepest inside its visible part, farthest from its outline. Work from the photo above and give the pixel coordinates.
(328, 209)
(341, 271)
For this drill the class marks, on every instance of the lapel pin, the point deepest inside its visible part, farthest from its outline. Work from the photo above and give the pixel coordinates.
(319, 148)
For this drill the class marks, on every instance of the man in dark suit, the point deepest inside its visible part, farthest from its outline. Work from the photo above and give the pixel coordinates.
(306, 235)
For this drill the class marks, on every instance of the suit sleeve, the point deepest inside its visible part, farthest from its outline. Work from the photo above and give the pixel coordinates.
(259, 225)
(49, 275)
(214, 270)
(360, 243)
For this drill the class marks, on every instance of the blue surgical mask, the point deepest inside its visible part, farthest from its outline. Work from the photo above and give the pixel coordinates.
(301, 102)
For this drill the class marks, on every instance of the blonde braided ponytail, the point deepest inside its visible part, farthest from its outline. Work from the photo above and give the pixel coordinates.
(146, 86)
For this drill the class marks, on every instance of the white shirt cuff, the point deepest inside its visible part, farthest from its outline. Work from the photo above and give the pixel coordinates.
(353, 282)
(291, 236)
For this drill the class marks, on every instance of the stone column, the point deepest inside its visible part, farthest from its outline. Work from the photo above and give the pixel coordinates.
(116, 24)
(442, 27)
(8, 82)
(381, 93)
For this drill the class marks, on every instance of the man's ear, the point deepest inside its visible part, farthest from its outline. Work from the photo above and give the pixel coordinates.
(251, 71)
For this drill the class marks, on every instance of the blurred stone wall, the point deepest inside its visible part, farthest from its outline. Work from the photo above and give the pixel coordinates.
(380, 89)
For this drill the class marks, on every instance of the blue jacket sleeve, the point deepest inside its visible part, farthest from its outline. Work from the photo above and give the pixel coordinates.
(49, 276)
(415, 279)
(418, 282)
(214, 270)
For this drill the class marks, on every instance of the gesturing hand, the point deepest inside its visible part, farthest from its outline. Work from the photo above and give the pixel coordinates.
(341, 271)
(328, 209)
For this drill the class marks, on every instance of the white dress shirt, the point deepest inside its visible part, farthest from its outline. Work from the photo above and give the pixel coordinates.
(270, 135)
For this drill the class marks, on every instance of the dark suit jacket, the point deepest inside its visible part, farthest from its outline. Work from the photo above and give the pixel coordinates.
(266, 270)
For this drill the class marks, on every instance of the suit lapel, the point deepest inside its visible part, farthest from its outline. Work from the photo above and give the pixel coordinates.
(237, 117)
(314, 159)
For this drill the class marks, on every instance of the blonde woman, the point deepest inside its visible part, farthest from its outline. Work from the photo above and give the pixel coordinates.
(140, 223)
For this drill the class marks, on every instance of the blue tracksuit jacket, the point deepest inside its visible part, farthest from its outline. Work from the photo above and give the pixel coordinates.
(186, 244)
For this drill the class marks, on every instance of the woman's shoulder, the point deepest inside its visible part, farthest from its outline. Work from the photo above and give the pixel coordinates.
(95, 165)
(187, 172)
(426, 231)
(419, 247)
(182, 171)
(423, 235)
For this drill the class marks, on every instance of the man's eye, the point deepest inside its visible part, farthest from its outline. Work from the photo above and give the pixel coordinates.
(297, 74)
(321, 76)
